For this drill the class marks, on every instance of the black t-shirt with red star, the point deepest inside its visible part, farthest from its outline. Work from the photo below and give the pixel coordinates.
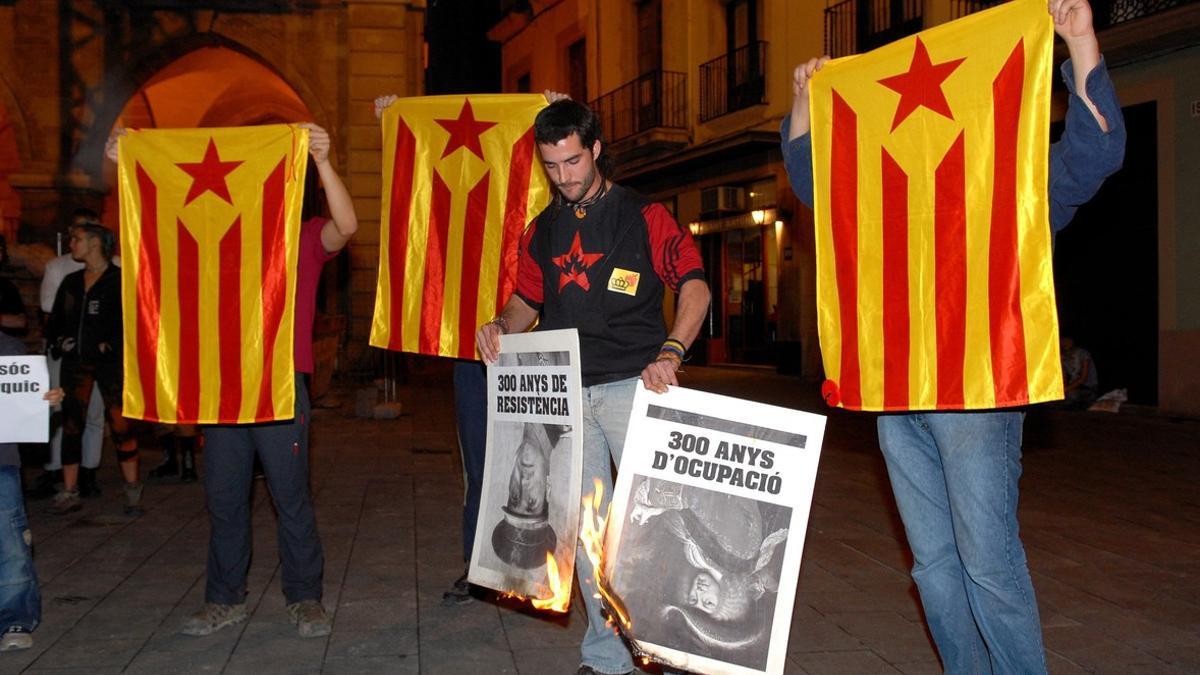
(604, 274)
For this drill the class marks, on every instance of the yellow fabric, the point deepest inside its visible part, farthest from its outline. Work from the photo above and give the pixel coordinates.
(918, 143)
(263, 152)
(433, 300)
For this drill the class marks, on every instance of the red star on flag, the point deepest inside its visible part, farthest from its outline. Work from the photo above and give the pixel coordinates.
(574, 264)
(921, 85)
(465, 131)
(209, 175)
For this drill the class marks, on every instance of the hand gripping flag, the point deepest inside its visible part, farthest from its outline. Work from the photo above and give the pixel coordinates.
(210, 222)
(934, 280)
(460, 183)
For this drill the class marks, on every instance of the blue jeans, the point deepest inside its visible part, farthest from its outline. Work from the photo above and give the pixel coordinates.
(20, 599)
(955, 480)
(470, 412)
(282, 447)
(606, 409)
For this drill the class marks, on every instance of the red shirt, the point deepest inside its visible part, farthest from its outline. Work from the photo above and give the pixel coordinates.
(313, 257)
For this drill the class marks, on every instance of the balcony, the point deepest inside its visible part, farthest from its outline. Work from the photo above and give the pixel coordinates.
(1106, 13)
(733, 81)
(853, 26)
(645, 115)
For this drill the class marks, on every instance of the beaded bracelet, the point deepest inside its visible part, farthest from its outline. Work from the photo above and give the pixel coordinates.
(665, 355)
(502, 323)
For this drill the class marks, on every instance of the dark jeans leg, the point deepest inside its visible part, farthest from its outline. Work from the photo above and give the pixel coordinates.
(283, 450)
(20, 600)
(228, 458)
(78, 380)
(470, 411)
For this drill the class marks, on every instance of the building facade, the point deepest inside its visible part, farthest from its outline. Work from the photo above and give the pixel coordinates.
(70, 71)
(691, 94)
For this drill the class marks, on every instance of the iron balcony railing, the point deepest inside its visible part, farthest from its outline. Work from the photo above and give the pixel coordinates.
(657, 99)
(1105, 13)
(853, 26)
(733, 81)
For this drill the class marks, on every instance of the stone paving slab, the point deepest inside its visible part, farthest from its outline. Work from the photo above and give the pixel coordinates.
(1110, 512)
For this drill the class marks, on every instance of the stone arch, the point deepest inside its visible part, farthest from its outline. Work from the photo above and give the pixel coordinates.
(123, 84)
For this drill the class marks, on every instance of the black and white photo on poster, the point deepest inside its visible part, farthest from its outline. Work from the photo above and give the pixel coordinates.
(529, 506)
(706, 533)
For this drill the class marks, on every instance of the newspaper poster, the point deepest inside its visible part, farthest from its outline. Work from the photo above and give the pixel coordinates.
(709, 512)
(529, 507)
(24, 414)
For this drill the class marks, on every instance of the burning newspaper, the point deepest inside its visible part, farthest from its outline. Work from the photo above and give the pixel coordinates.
(529, 508)
(707, 528)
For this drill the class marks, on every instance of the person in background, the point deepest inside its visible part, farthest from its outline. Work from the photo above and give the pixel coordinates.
(20, 599)
(49, 482)
(85, 332)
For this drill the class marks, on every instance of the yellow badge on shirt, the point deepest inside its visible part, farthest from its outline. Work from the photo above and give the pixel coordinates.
(624, 281)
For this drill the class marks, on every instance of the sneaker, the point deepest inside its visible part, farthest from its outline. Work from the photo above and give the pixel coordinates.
(88, 487)
(459, 593)
(45, 486)
(188, 466)
(310, 618)
(212, 618)
(168, 469)
(16, 638)
(65, 502)
(133, 498)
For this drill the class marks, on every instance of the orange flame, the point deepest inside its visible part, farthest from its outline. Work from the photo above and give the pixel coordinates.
(591, 533)
(560, 593)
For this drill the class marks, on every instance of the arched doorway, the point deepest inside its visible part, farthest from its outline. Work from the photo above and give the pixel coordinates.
(212, 86)
(224, 85)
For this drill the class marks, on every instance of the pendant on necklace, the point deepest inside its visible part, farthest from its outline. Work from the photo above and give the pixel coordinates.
(580, 213)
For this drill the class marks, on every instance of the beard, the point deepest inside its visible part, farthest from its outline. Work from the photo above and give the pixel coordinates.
(574, 192)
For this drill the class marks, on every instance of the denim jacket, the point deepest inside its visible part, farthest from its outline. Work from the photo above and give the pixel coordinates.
(1079, 161)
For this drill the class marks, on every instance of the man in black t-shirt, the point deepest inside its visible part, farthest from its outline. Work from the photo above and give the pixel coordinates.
(599, 259)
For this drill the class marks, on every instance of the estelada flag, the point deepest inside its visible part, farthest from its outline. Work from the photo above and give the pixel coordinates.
(210, 226)
(934, 280)
(460, 182)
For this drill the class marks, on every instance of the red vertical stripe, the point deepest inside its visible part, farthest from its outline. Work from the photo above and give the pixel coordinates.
(515, 207)
(274, 282)
(472, 260)
(402, 180)
(149, 294)
(188, 400)
(435, 267)
(1004, 272)
(229, 323)
(950, 275)
(843, 211)
(895, 284)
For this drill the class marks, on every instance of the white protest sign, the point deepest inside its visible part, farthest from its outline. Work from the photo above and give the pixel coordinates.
(529, 506)
(24, 415)
(707, 528)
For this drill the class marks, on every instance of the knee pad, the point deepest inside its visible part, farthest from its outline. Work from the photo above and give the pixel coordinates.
(126, 455)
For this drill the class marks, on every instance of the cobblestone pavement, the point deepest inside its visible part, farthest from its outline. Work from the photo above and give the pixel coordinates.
(1110, 515)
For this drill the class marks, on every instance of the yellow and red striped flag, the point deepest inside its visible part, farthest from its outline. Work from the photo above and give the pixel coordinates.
(935, 288)
(210, 223)
(461, 180)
